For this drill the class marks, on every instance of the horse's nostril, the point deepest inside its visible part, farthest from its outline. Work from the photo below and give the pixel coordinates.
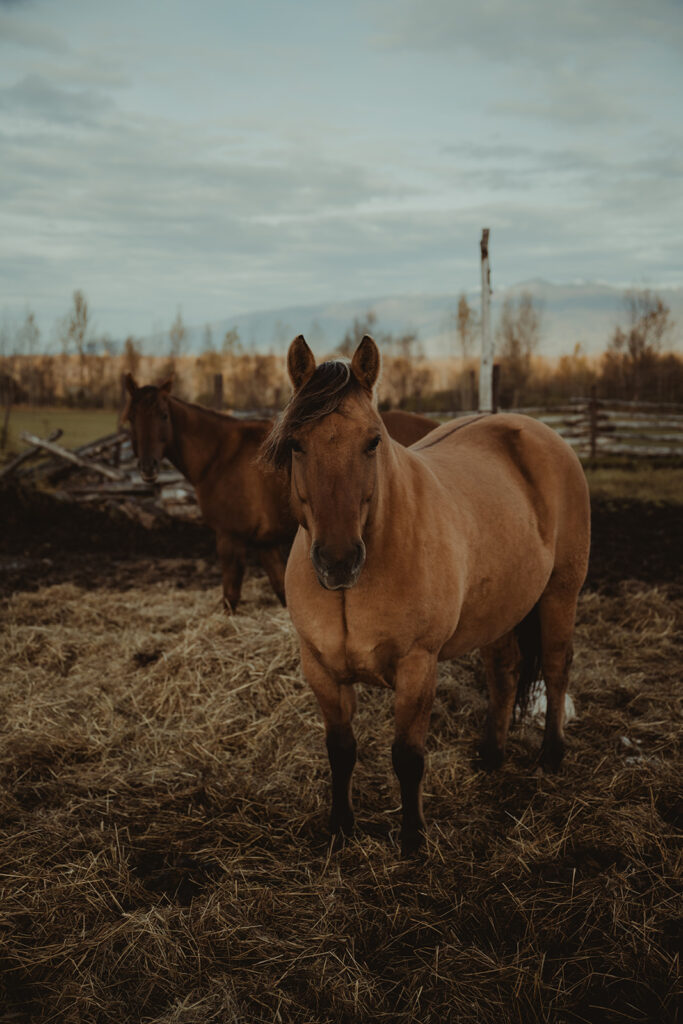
(334, 571)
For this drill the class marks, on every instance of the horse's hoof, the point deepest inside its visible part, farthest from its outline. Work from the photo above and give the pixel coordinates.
(412, 844)
(490, 756)
(551, 757)
(343, 826)
(339, 838)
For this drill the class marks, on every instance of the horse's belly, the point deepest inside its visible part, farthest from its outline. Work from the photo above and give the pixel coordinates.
(495, 606)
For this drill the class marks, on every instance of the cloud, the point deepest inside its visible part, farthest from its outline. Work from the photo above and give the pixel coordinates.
(161, 173)
(581, 64)
(526, 31)
(36, 97)
(28, 34)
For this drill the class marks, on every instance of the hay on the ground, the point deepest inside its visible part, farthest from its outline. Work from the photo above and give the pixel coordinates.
(164, 806)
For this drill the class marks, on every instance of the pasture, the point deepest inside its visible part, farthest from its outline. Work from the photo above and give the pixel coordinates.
(78, 425)
(165, 798)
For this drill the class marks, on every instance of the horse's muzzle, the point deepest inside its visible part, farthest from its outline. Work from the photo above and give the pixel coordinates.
(149, 470)
(338, 573)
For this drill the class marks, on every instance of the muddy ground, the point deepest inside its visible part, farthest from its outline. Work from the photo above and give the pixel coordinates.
(46, 541)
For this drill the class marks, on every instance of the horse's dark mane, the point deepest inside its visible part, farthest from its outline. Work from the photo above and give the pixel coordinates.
(327, 388)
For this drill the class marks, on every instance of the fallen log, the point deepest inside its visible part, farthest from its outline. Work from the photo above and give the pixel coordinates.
(23, 457)
(68, 456)
(106, 490)
(54, 469)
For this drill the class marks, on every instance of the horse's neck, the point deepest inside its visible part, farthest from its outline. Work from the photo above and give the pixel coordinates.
(196, 439)
(395, 492)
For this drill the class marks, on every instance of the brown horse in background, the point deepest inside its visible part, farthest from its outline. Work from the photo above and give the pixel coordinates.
(475, 537)
(246, 506)
(407, 427)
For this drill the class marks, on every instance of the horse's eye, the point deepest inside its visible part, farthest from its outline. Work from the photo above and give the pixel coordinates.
(296, 447)
(371, 448)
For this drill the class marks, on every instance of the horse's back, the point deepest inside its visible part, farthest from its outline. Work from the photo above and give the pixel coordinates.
(508, 469)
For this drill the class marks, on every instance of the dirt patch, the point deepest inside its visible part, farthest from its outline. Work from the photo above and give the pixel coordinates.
(46, 541)
(635, 540)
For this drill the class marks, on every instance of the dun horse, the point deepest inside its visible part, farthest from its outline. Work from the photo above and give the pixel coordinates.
(245, 506)
(476, 537)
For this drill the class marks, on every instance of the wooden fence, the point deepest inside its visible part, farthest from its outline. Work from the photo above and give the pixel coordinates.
(602, 427)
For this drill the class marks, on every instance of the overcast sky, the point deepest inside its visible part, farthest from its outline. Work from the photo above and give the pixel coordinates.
(221, 157)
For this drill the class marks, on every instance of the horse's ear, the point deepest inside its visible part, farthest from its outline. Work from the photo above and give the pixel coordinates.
(131, 386)
(300, 362)
(365, 363)
(167, 385)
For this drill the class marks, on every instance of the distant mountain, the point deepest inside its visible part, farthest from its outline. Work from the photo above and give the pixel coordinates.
(570, 313)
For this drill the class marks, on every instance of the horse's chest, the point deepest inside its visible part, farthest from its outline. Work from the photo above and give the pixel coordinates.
(368, 652)
(350, 654)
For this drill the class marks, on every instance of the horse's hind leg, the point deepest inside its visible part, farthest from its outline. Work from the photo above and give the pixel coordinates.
(557, 609)
(502, 661)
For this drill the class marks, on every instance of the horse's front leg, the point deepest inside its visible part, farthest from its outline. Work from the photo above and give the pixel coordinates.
(273, 562)
(338, 705)
(232, 555)
(415, 689)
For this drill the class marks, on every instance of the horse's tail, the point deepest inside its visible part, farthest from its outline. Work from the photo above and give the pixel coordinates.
(528, 633)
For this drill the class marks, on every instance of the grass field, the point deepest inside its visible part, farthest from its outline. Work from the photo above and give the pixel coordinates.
(79, 425)
(643, 481)
(164, 803)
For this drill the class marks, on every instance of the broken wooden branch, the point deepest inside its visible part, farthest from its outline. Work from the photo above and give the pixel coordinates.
(68, 456)
(30, 453)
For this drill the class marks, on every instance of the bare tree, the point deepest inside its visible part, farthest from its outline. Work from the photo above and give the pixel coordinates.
(467, 327)
(6, 331)
(633, 355)
(355, 334)
(75, 332)
(518, 335)
(131, 355)
(177, 337)
(28, 335)
(231, 344)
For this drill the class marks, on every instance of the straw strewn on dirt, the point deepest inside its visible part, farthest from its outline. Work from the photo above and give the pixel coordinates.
(164, 804)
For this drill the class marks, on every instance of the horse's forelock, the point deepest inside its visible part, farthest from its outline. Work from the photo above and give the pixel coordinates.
(321, 395)
(147, 396)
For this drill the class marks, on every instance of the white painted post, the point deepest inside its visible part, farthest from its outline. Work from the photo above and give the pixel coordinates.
(486, 364)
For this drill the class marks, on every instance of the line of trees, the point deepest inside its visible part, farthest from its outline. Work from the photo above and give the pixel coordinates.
(636, 364)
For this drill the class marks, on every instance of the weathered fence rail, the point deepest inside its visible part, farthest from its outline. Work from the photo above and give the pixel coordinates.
(595, 426)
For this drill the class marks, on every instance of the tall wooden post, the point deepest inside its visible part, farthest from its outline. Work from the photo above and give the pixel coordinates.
(486, 364)
(218, 391)
(593, 420)
(495, 387)
(8, 397)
